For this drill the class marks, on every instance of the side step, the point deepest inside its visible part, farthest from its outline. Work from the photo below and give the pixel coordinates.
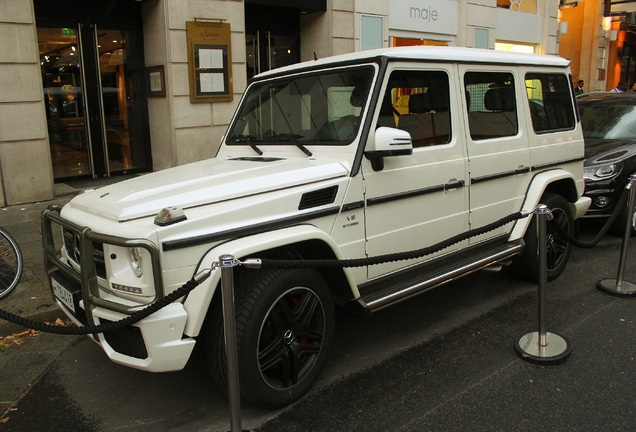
(392, 289)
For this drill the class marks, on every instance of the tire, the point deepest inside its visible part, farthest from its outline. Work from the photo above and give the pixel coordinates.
(284, 331)
(526, 265)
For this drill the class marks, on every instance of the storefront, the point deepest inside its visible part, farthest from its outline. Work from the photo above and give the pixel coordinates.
(93, 89)
(92, 68)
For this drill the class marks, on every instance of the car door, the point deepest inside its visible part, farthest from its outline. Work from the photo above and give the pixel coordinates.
(418, 200)
(497, 144)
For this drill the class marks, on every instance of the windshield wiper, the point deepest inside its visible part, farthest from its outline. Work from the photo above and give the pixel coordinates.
(249, 139)
(293, 138)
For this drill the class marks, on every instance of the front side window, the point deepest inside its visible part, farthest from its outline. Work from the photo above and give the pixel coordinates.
(492, 106)
(419, 103)
(319, 108)
(550, 102)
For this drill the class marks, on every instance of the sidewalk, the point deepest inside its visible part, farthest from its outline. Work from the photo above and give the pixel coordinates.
(24, 355)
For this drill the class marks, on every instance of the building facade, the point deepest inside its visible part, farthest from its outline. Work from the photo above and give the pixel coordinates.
(599, 37)
(92, 89)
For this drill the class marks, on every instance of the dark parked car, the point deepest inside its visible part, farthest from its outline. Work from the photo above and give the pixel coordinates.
(609, 129)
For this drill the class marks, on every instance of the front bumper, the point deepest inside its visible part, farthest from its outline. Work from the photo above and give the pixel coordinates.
(156, 343)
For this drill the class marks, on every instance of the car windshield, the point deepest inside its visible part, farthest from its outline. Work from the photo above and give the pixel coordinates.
(608, 120)
(316, 108)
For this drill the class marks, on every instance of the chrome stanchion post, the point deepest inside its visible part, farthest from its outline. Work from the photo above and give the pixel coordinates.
(543, 347)
(227, 264)
(619, 286)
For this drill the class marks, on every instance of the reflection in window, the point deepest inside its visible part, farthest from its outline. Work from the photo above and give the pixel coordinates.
(321, 108)
(550, 102)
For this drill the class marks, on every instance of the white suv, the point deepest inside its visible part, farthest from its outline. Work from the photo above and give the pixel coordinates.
(354, 156)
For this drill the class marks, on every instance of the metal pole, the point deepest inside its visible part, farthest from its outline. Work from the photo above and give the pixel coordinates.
(227, 264)
(543, 347)
(542, 214)
(619, 286)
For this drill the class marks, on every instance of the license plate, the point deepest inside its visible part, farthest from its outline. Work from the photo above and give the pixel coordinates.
(63, 295)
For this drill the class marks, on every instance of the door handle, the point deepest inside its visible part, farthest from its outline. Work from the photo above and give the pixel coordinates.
(454, 184)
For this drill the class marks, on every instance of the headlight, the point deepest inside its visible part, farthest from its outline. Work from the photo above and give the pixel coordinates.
(602, 172)
(136, 261)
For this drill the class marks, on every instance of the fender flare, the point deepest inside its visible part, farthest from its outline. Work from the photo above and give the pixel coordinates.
(198, 301)
(536, 189)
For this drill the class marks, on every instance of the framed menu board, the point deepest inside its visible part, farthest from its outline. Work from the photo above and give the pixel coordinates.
(209, 61)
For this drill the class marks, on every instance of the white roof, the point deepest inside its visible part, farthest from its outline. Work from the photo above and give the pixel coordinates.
(433, 53)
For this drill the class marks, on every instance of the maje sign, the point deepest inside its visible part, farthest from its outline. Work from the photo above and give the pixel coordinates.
(424, 16)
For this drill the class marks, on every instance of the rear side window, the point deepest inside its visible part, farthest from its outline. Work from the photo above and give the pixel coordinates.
(550, 102)
(419, 103)
(492, 105)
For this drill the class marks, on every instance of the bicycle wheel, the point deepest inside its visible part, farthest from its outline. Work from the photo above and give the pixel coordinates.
(10, 264)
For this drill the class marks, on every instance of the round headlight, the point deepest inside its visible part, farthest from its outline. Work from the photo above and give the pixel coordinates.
(136, 261)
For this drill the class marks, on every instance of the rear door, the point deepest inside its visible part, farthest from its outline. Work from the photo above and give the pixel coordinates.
(497, 143)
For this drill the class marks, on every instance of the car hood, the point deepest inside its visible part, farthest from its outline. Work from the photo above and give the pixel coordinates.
(200, 183)
(599, 151)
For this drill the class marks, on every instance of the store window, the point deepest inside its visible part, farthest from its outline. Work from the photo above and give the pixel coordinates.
(372, 35)
(528, 6)
(396, 42)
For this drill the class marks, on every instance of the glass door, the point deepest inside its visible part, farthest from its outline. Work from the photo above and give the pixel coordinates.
(95, 102)
(272, 37)
(266, 50)
(64, 102)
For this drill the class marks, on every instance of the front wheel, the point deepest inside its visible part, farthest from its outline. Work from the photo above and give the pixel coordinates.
(284, 331)
(526, 265)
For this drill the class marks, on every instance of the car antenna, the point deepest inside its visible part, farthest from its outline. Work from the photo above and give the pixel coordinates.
(315, 56)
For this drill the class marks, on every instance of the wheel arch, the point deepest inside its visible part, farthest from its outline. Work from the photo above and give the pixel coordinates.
(298, 242)
(560, 182)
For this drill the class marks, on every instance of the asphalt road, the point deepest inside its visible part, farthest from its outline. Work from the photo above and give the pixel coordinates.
(442, 361)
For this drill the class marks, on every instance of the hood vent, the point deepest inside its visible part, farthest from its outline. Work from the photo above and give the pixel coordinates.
(318, 198)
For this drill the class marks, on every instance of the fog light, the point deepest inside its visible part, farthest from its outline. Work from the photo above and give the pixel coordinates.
(602, 201)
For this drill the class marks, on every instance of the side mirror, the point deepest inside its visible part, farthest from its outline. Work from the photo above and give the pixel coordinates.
(388, 142)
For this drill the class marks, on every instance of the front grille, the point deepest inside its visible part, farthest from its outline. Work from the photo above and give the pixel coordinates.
(127, 341)
(72, 242)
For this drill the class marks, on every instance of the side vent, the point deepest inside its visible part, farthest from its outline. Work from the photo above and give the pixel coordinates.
(318, 198)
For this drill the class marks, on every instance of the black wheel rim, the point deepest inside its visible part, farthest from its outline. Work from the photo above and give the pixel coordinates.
(557, 246)
(291, 338)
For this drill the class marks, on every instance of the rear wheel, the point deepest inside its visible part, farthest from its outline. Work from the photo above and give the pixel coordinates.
(526, 265)
(284, 328)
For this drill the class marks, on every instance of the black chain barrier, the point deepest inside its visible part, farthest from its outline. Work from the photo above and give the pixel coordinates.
(102, 328)
(621, 204)
(314, 263)
(266, 263)
(399, 256)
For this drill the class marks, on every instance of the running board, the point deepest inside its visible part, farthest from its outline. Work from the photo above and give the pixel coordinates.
(419, 280)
